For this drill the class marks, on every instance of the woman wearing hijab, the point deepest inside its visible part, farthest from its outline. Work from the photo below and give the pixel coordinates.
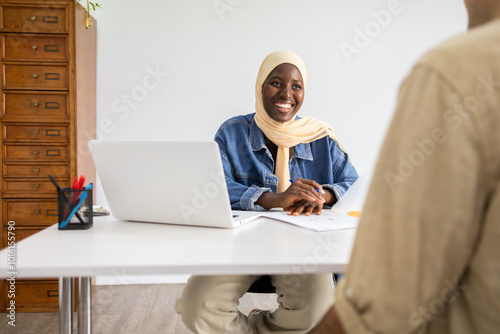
(273, 159)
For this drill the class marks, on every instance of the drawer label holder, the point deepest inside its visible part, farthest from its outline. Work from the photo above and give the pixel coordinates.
(50, 19)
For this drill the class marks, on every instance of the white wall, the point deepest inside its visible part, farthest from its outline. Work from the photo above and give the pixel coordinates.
(206, 60)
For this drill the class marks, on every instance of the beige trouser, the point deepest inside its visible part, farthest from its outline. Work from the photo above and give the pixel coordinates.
(209, 304)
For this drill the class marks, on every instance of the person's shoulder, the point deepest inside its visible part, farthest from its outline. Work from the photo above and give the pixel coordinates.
(478, 42)
(461, 59)
(237, 121)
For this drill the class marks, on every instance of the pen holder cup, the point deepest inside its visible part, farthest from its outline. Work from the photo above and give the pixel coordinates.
(74, 209)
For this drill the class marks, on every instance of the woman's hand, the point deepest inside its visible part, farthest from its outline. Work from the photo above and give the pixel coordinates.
(310, 198)
(305, 207)
(300, 197)
(308, 207)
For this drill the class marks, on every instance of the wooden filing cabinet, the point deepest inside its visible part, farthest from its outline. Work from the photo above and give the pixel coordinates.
(47, 101)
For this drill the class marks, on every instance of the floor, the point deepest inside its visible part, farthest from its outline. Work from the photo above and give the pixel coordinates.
(130, 309)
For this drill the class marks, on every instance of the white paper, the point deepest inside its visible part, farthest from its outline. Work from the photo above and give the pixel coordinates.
(336, 218)
(326, 221)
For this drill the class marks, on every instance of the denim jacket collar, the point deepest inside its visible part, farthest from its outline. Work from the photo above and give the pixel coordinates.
(301, 151)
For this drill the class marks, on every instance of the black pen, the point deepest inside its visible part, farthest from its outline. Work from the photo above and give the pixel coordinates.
(54, 182)
(320, 191)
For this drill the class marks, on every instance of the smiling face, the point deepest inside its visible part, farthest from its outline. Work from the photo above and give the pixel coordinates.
(283, 92)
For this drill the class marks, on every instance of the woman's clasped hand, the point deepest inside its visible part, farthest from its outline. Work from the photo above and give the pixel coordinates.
(305, 196)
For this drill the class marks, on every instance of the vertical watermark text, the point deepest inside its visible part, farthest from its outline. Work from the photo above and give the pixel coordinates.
(11, 273)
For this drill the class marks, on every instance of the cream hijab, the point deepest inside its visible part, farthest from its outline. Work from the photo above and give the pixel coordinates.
(286, 134)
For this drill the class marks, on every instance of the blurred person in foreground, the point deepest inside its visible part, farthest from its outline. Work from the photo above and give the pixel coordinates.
(427, 253)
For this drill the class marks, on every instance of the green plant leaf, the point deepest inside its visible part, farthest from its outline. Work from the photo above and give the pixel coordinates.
(93, 6)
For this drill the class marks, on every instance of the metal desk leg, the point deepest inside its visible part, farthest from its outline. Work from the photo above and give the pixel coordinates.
(84, 305)
(65, 305)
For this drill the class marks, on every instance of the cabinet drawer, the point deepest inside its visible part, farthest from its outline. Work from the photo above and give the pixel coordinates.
(35, 133)
(34, 212)
(23, 106)
(17, 153)
(34, 18)
(33, 296)
(12, 187)
(34, 47)
(35, 77)
(35, 170)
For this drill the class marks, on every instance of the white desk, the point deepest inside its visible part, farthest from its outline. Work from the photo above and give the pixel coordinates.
(114, 247)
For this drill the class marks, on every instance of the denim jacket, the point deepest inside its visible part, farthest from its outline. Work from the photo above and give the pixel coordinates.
(249, 165)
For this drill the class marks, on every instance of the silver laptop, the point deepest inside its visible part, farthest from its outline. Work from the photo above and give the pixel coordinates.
(166, 182)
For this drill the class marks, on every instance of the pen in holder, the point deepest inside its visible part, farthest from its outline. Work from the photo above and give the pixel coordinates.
(74, 208)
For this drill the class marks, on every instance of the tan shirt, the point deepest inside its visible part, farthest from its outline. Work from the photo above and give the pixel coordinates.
(427, 252)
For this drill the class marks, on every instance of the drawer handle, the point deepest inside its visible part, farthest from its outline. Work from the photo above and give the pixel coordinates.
(35, 75)
(36, 170)
(35, 152)
(37, 212)
(34, 47)
(33, 18)
(37, 186)
(35, 132)
(35, 104)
